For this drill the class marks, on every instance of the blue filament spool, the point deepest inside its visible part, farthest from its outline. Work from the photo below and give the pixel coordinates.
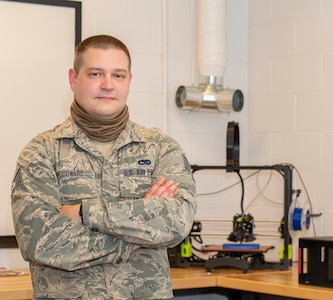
(297, 219)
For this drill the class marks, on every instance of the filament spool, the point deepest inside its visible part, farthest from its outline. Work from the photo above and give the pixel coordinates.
(299, 219)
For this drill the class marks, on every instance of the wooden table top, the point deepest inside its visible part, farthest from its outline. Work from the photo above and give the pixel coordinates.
(281, 283)
(274, 282)
(16, 287)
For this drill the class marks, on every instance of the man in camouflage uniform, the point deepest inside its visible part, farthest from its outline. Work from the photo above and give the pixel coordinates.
(97, 200)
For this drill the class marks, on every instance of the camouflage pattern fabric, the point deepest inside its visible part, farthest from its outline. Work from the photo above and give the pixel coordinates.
(96, 260)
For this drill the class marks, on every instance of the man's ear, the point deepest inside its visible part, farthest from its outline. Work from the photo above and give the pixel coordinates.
(72, 78)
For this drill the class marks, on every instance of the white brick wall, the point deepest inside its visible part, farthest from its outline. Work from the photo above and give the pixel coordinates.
(279, 53)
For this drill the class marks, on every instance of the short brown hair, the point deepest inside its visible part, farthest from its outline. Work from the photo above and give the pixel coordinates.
(99, 42)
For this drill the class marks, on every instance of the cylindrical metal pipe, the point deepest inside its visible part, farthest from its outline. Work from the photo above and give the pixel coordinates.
(230, 100)
(209, 97)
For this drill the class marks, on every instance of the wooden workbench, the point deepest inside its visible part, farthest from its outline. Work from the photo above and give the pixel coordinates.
(272, 282)
(16, 287)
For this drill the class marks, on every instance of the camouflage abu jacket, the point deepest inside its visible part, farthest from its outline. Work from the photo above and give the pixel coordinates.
(96, 260)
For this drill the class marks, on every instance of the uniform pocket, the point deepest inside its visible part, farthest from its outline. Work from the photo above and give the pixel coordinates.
(135, 176)
(75, 185)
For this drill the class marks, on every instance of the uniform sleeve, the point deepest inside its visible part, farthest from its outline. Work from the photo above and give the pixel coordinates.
(44, 235)
(154, 221)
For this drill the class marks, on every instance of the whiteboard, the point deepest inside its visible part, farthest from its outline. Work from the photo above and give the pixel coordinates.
(36, 50)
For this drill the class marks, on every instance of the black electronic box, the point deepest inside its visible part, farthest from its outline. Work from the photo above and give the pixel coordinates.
(315, 261)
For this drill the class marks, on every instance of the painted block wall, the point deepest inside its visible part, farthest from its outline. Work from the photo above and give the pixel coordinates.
(291, 94)
(280, 54)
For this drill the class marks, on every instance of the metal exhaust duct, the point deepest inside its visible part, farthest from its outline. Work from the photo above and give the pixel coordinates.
(209, 96)
(211, 63)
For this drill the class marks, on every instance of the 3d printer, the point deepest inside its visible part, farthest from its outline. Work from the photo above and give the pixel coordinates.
(239, 253)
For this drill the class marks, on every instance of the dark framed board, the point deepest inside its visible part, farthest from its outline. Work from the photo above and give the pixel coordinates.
(38, 39)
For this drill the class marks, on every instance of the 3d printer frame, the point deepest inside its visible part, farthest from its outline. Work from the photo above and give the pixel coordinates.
(287, 173)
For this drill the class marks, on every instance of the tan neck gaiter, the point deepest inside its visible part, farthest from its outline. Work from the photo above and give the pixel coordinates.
(97, 129)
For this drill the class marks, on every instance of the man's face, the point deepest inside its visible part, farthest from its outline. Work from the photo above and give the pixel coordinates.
(102, 84)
